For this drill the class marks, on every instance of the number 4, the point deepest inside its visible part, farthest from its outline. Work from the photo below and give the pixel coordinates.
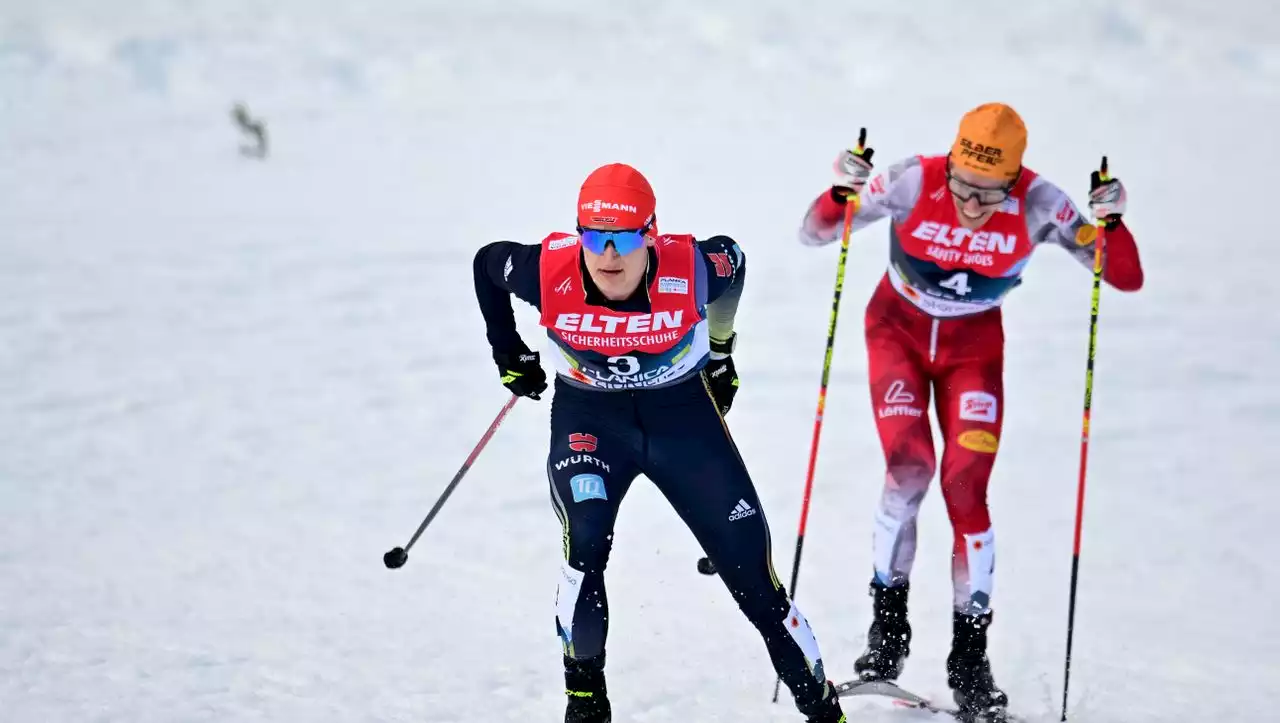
(959, 283)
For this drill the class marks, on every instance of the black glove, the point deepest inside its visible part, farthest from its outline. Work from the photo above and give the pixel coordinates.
(522, 373)
(722, 378)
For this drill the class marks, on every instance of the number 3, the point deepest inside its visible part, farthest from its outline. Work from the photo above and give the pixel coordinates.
(959, 283)
(624, 366)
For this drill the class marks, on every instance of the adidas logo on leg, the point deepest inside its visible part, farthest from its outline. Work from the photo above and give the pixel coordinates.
(741, 510)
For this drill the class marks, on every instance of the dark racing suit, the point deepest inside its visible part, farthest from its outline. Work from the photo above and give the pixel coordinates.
(631, 399)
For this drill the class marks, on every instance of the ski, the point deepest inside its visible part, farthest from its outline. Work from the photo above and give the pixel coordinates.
(906, 699)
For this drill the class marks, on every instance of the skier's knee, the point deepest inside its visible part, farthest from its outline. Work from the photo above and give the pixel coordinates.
(910, 473)
(905, 491)
(762, 604)
(901, 500)
(588, 551)
(967, 506)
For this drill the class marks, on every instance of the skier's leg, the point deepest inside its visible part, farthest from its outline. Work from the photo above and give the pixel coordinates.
(694, 463)
(900, 400)
(590, 467)
(971, 413)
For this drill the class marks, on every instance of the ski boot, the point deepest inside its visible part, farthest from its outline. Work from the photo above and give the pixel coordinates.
(969, 670)
(888, 640)
(585, 688)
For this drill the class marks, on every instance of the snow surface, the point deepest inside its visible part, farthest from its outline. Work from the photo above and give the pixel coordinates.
(227, 386)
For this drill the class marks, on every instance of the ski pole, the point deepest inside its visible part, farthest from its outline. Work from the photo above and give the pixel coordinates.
(851, 208)
(397, 556)
(1084, 439)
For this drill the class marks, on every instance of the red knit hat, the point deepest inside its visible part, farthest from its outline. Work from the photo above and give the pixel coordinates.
(617, 196)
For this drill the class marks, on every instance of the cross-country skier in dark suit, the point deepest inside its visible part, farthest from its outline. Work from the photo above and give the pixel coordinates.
(641, 333)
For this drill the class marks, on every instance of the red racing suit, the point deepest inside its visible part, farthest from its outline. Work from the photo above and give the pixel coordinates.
(933, 327)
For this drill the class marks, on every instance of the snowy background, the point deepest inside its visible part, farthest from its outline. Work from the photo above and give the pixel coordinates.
(227, 386)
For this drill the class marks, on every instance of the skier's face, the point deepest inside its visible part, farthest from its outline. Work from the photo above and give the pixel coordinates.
(617, 275)
(976, 197)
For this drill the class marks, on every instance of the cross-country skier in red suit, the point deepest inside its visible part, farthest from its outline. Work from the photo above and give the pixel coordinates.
(641, 331)
(962, 227)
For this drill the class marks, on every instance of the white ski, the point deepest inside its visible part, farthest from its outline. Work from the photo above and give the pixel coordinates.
(907, 699)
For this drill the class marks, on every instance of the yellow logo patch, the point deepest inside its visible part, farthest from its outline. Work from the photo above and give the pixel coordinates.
(979, 440)
(1086, 234)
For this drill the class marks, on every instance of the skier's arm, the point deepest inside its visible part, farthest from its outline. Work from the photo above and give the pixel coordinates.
(503, 269)
(890, 194)
(725, 269)
(1052, 217)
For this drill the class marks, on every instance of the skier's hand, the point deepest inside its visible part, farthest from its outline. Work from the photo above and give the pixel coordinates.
(853, 170)
(722, 378)
(521, 372)
(1106, 199)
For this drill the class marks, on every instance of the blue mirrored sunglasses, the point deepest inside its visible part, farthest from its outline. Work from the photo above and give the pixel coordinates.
(624, 242)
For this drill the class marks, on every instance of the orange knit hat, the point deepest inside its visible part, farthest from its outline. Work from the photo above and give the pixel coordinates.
(990, 142)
